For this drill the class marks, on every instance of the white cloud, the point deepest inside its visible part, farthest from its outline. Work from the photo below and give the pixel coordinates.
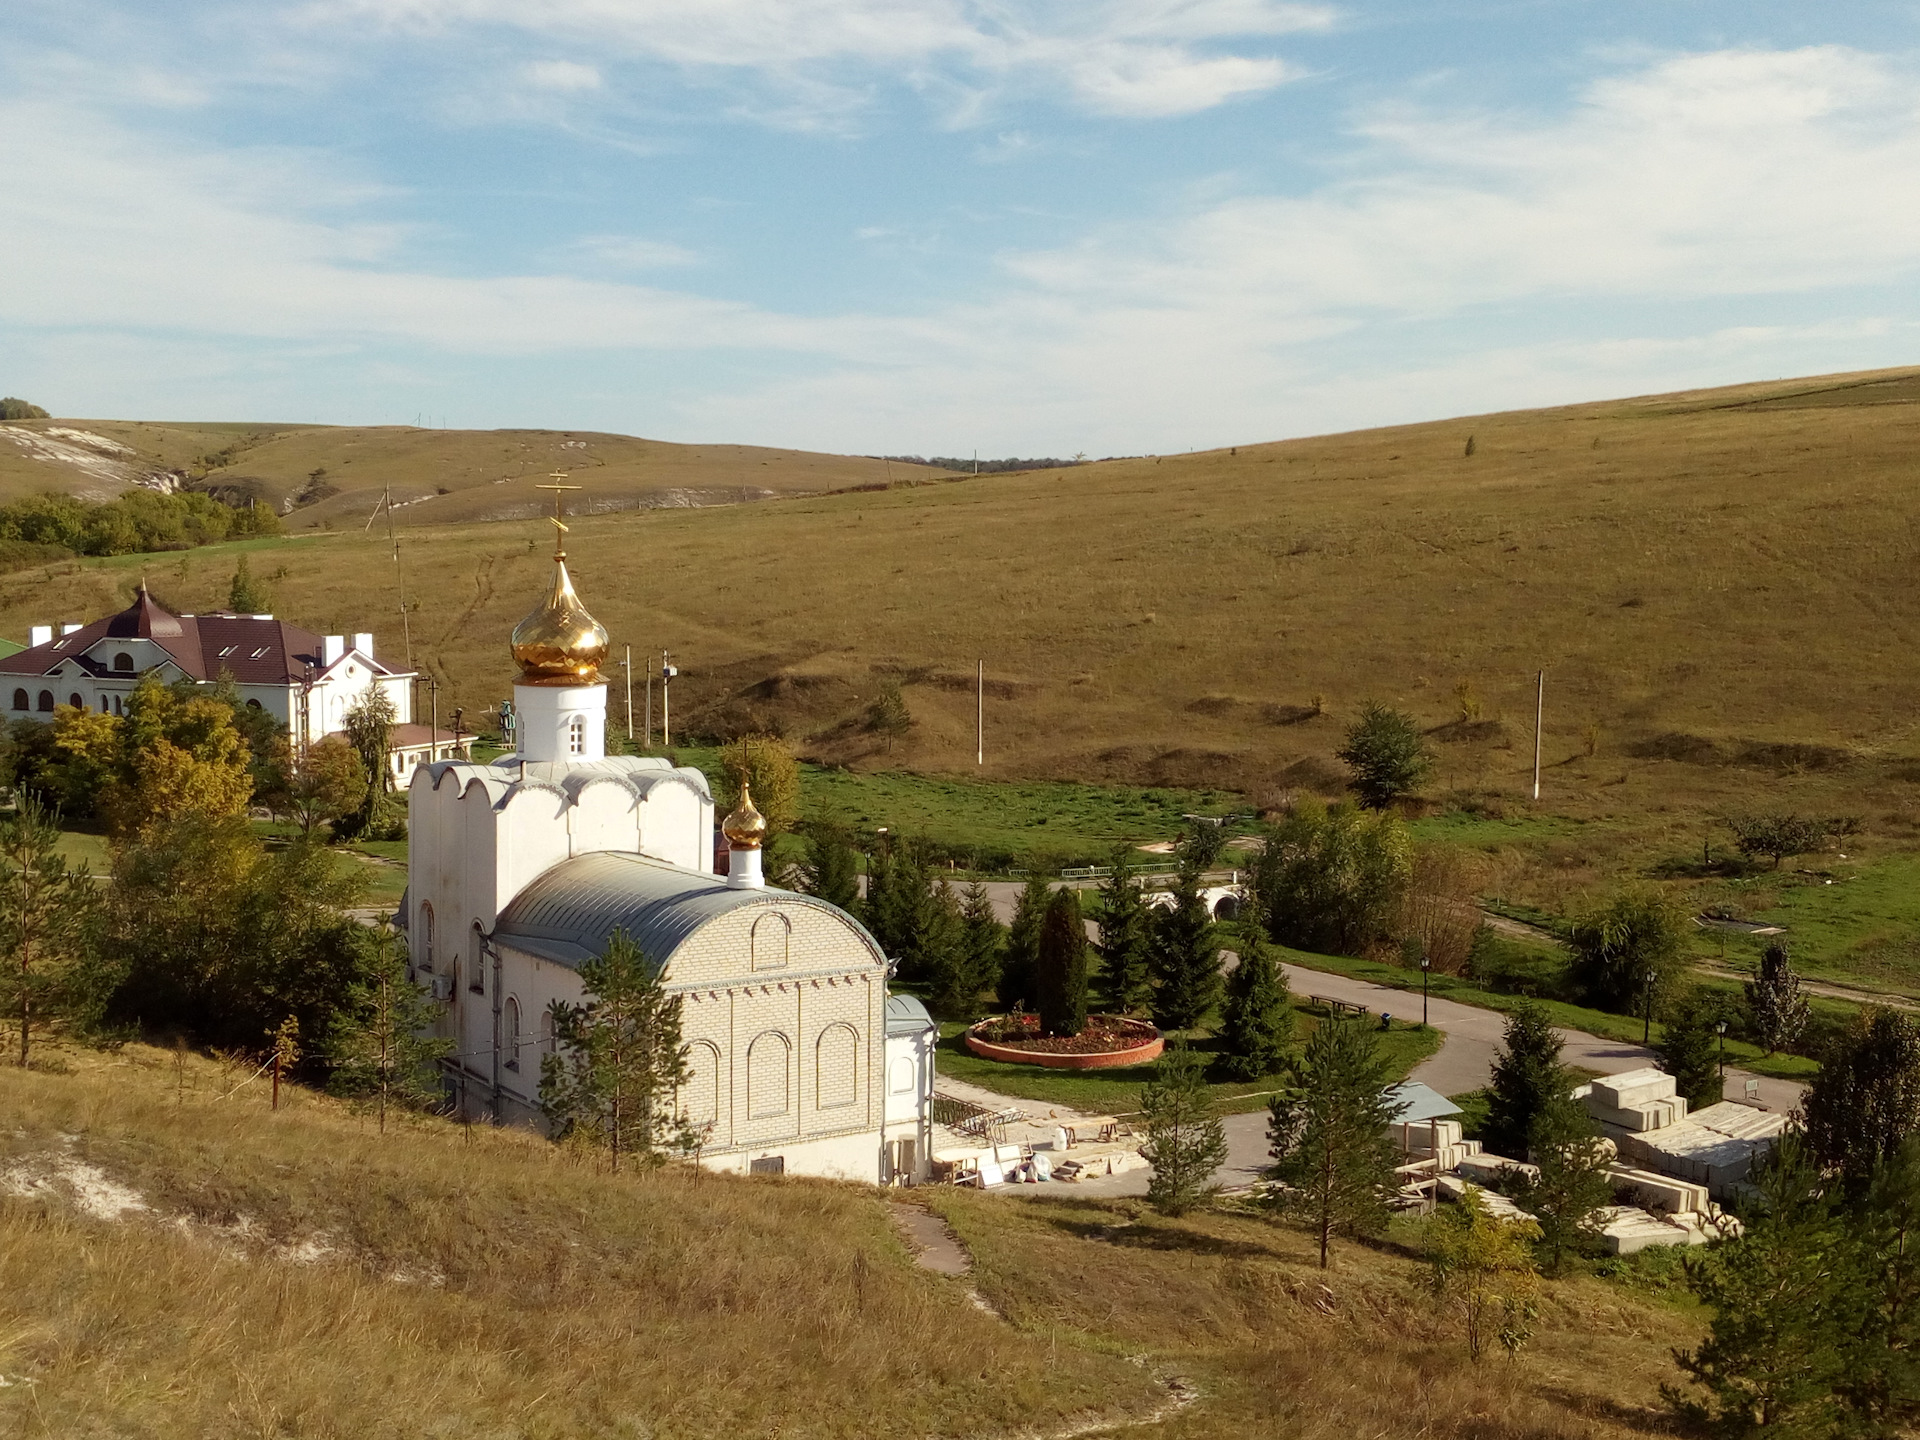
(1119, 57)
(565, 75)
(1469, 261)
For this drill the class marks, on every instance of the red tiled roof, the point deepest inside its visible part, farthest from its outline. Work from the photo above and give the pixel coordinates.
(254, 651)
(410, 737)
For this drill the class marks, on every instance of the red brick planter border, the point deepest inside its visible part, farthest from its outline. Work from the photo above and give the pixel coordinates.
(1098, 1060)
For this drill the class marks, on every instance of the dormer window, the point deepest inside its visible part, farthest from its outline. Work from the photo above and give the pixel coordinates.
(123, 661)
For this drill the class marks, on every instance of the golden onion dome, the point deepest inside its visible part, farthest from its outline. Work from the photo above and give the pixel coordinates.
(746, 827)
(559, 643)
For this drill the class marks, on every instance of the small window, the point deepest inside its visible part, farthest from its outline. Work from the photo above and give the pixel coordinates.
(20, 700)
(124, 662)
(228, 651)
(117, 707)
(46, 701)
(76, 702)
(426, 936)
(577, 735)
(59, 644)
(261, 652)
(512, 1044)
(476, 960)
(253, 704)
(768, 1165)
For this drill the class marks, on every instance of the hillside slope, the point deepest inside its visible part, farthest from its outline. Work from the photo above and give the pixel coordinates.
(323, 476)
(1719, 585)
(176, 1260)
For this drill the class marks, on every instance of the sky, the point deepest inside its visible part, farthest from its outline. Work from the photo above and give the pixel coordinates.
(1017, 227)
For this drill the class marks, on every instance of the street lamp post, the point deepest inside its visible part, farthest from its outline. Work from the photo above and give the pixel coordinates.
(1646, 1011)
(1426, 966)
(1721, 1028)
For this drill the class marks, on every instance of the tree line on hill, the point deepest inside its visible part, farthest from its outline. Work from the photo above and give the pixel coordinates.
(50, 525)
(984, 467)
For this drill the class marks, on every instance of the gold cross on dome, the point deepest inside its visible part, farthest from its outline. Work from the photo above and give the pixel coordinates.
(554, 519)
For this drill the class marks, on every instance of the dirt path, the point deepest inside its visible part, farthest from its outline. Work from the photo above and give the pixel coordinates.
(1831, 989)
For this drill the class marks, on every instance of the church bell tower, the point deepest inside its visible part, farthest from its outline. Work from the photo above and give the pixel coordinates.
(560, 699)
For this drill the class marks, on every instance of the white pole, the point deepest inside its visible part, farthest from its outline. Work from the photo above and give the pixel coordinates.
(1539, 710)
(666, 704)
(627, 664)
(649, 730)
(980, 712)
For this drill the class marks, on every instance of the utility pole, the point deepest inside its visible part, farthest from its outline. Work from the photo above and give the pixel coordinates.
(980, 712)
(627, 665)
(1539, 711)
(433, 731)
(667, 672)
(648, 733)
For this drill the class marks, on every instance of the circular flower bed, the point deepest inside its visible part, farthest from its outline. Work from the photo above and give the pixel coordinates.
(1107, 1040)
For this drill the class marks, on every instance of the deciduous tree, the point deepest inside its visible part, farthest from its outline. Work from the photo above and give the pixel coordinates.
(1483, 1264)
(1334, 881)
(1328, 1132)
(1865, 1102)
(330, 783)
(246, 595)
(767, 763)
(1779, 1012)
(888, 715)
(1626, 954)
(619, 1060)
(1186, 1142)
(1778, 836)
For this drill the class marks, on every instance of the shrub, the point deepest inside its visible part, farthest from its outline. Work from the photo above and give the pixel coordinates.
(1627, 953)
(1334, 880)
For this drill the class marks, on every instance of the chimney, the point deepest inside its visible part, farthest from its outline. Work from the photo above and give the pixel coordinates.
(40, 635)
(332, 648)
(67, 627)
(363, 642)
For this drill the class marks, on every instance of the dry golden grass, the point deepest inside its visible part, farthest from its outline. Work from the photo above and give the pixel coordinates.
(1719, 586)
(297, 1274)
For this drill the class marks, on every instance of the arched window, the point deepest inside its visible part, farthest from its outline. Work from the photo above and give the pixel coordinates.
(118, 707)
(123, 661)
(76, 702)
(577, 735)
(769, 1076)
(700, 1095)
(46, 701)
(511, 1042)
(836, 1068)
(426, 936)
(770, 941)
(476, 960)
(253, 704)
(20, 700)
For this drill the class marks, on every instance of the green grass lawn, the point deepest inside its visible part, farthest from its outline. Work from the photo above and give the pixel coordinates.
(999, 821)
(1117, 1091)
(1855, 920)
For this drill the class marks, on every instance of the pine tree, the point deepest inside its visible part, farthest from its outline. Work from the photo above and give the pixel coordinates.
(1527, 1075)
(896, 898)
(379, 1046)
(1023, 943)
(246, 595)
(1386, 753)
(1788, 1297)
(982, 939)
(1185, 959)
(940, 948)
(620, 1059)
(1690, 1052)
(1780, 1012)
(1865, 1102)
(50, 957)
(1257, 1029)
(1186, 1143)
(1060, 970)
(1126, 939)
(1328, 1129)
(1572, 1182)
(832, 870)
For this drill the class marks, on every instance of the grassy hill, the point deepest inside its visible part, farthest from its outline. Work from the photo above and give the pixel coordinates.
(328, 476)
(178, 1261)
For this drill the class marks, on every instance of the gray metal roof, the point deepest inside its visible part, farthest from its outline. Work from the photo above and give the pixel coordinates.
(1417, 1102)
(568, 912)
(907, 1016)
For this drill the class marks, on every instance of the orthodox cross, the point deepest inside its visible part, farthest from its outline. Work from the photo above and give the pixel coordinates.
(555, 520)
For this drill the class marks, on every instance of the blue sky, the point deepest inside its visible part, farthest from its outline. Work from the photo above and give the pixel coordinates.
(1105, 226)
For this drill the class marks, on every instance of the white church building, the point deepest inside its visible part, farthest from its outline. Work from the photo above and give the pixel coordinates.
(522, 868)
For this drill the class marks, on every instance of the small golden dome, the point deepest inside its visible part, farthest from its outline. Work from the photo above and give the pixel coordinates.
(559, 643)
(746, 827)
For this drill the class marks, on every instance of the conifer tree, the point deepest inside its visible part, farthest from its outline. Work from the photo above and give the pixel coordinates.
(619, 1059)
(1023, 943)
(1186, 1143)
(939, 948)
(1185, 959)
(831, 870)
(1328, 1130)
(1257, 1029)
(1527, 1075)
(1572, 1182)
(1778, 1009)
(50, 915)
(1690, 1052)
(246, 595)
(982, 939)
(379, 1045)
(1060, 970)
(1126, 940)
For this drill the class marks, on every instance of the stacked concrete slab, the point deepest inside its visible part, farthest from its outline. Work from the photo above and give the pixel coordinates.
(1714, 1148)
(1634, 1101)
(1438, 1140)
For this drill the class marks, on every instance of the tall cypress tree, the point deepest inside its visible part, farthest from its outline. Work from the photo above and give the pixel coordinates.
(1527, 1075)
(1023, 943)
(1185, 957)
(1060, 971)
(1126, 940)
(1257, 1030)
